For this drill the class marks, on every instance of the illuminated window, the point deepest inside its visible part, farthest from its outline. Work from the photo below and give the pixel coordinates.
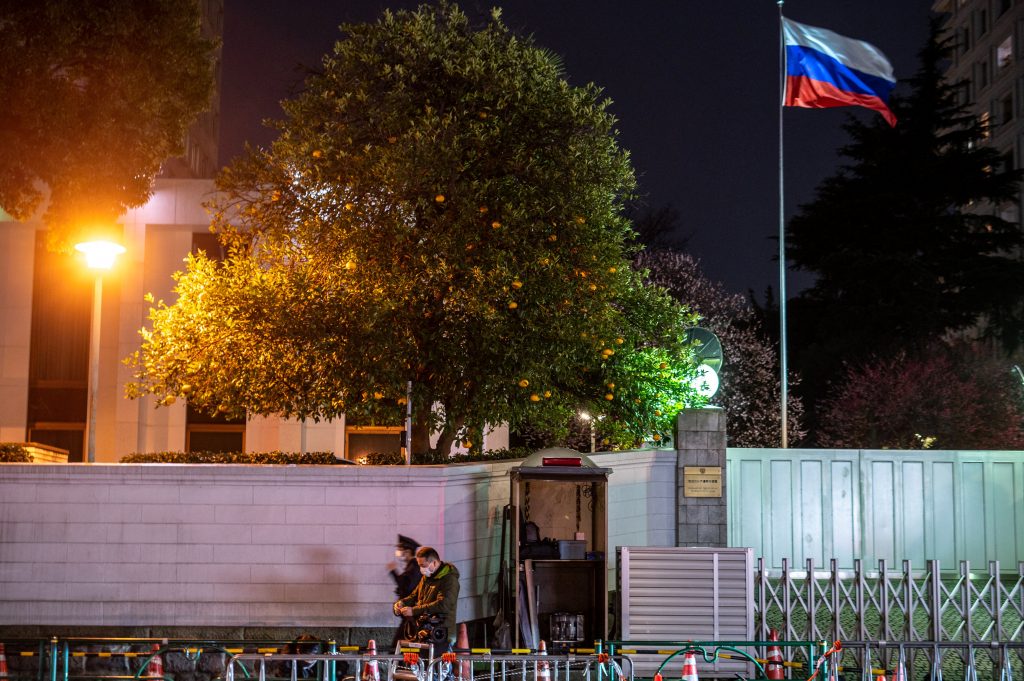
(1004, 52)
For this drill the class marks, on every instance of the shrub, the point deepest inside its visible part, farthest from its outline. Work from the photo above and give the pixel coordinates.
(11, 452)
(275, 458)
(393, 459)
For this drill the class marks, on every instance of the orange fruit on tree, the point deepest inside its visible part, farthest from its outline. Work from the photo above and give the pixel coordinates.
(439, 198)
(535, 397)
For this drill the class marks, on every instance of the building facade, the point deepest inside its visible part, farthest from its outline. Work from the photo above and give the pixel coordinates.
(45, 305)
(988, 63)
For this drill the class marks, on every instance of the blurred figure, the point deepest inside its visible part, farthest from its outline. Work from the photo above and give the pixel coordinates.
(406, 574)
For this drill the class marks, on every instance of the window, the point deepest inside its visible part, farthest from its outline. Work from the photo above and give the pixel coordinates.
(58, 379)
(963, 92)
(981, 22)
(1006, 109)
(981, 74)
(1004, 6)
(1004, 53)
(205, 433)
(363, 440)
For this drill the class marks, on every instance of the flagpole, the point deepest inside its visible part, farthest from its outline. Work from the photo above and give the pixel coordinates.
(783, 369)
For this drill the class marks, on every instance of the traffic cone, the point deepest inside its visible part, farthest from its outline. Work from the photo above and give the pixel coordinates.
(689, 667)
(543, 668)
(371, 672)
(774, 668)
(3, 663)
(462, 643)
(155, 669)
(899, 674)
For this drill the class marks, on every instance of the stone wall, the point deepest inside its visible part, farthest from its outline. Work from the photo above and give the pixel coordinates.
(183, 546)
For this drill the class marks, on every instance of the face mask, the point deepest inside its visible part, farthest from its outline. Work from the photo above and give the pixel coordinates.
(426, 572)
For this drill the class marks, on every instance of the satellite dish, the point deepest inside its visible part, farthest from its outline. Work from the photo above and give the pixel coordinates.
(706, 346)
(707, 350)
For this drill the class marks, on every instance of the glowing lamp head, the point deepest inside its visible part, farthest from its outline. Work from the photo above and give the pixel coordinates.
(100, 255)
(705, 382)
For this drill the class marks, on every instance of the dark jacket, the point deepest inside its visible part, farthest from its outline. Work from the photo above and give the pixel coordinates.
(438, 593)
(406, 581)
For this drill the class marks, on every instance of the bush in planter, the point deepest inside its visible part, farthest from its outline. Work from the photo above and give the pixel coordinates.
(274, 458)
(12, 452)
(393, 459)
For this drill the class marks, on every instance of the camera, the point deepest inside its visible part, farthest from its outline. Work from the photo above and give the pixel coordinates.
(430, 628)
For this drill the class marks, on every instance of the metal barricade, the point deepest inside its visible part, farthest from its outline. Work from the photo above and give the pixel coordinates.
(480, 664)
(732, 659)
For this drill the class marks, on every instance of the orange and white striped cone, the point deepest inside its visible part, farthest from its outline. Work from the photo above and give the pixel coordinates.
(155, 669)
(774, 669)
(543, 668)
(371, 672)
(689, 667)
(462, 643)
(3, 663)
(900, 673)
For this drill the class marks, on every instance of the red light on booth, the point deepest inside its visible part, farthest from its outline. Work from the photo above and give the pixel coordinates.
(562, 461)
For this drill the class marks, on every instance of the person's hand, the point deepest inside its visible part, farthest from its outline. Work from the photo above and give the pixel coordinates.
(397, 609)
(407, 612)
(391, 566)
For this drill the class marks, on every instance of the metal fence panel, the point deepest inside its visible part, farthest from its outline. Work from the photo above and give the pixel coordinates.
(873, 505)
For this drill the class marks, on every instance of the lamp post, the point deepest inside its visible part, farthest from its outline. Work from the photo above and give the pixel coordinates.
(593, 436)
(99, 256)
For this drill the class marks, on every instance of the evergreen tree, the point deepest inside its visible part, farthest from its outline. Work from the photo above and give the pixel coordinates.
(441, 208)
(907, 240)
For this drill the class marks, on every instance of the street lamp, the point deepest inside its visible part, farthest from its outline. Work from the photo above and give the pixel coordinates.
(99, 256)
(593, 436)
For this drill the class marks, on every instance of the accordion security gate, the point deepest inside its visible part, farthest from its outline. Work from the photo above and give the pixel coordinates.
(930, 619)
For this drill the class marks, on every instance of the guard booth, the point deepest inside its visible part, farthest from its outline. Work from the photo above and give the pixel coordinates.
(558, 553)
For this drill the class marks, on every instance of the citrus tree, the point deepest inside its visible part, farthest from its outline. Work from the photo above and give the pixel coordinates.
(441, 208)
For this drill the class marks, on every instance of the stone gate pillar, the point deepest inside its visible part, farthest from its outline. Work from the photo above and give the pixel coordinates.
(701, 491)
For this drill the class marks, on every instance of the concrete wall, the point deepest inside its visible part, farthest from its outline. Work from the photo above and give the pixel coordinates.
(188, 545)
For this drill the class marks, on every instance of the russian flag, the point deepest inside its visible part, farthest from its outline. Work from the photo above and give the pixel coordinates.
(825, 69)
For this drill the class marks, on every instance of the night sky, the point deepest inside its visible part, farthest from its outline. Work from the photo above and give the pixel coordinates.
(694, 86)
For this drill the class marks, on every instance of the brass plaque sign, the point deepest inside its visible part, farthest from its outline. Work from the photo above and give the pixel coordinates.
(702, 481)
